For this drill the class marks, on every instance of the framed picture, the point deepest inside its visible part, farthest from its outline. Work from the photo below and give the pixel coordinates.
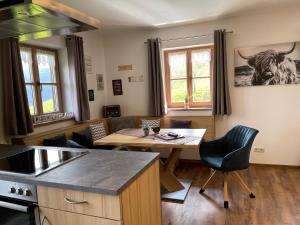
(100, 82)
(91, 95)
(267, 65)
(117, 87)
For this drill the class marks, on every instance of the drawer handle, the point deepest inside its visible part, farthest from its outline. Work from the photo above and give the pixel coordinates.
(69, 201)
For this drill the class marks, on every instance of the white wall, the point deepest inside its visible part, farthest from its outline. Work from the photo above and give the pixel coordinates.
(94, 47)
(273, 110)
(127, 49)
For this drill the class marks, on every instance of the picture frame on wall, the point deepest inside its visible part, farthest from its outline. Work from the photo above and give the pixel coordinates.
(276, 64)
(117, 87)
(91, 95)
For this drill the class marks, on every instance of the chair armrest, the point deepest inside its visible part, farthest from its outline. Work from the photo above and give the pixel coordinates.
(212, 147)
(238, 159)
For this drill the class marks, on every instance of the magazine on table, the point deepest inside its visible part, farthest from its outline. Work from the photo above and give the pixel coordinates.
(169, 136)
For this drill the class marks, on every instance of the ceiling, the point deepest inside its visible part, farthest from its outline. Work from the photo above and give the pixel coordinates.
(163, 13)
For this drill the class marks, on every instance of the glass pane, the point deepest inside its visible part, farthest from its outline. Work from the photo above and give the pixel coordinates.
(178, 91)
(49, 98)
(201, 90)
(31, 99)
(27, 64)
(201, 63)
(46, 65)
(177, 62)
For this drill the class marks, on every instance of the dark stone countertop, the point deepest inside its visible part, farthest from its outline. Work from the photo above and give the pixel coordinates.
(99, 171)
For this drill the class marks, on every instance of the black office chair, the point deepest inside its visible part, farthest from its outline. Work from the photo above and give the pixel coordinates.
(227, 154)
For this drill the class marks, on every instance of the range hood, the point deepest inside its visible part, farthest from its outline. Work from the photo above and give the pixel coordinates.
(34, 19)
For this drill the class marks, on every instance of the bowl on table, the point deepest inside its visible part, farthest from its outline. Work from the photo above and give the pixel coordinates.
(156, 129)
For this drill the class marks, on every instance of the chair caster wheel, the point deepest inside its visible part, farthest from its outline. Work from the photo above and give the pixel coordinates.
(201, 191)
(252, 195)
(226, 205)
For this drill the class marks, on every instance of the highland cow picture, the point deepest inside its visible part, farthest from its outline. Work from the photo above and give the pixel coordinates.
(267, 65)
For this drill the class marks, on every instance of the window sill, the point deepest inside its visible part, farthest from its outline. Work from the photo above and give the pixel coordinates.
(190, 109)
(52, 122)
(51, 118)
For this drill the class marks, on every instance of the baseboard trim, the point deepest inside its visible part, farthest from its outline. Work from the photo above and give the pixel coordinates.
(276, 165)
(198, 161)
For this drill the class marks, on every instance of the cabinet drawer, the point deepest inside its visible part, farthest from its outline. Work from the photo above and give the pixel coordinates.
(106, 206)
(56, 217)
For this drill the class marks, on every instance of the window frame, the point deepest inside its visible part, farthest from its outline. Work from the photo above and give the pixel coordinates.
(36, 79)
(189, 77)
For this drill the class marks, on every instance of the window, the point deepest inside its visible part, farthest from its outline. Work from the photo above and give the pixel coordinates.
(188, 77)
(40, 67)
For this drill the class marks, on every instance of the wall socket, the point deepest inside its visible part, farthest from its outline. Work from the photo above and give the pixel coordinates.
(259, 150)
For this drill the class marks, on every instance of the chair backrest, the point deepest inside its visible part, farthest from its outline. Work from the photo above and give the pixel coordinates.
(240, 136)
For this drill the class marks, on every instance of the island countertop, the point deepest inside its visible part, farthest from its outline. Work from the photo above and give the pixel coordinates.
(99, 171)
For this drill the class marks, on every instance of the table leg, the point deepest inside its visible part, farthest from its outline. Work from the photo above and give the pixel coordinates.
(173, 159)
(175, 189)
(168, 179)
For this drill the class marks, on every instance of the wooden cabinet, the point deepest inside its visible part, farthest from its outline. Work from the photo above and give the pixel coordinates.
(141, 204)
(138, 204)
(57, 217)
(106, 206)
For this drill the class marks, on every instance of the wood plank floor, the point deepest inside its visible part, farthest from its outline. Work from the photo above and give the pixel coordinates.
(277, 201)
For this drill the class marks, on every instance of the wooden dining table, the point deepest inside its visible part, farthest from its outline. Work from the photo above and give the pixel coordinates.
(173, 189)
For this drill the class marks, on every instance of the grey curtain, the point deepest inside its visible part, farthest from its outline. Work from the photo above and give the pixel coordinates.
(17, 118)
(221, 98)
(157, 106)
(78, 77)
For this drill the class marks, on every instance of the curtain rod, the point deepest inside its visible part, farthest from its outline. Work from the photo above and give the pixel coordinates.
(190, 37)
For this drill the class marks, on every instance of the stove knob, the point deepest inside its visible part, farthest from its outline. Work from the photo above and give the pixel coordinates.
(27, 192)
(13, 190)
(20, 191)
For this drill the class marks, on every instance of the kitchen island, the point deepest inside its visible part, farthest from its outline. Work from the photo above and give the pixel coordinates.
(99, 188)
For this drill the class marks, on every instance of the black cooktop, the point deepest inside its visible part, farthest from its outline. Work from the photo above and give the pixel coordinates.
(37, 161)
